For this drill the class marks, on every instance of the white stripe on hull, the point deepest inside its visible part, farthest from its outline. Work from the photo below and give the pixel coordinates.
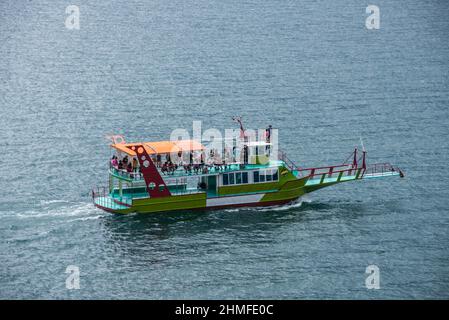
(225, 201)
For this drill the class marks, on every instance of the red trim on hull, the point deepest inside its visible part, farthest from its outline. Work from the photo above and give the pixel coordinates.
(121, 203)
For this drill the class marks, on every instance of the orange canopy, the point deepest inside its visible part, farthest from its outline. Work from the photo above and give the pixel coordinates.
(161, 147)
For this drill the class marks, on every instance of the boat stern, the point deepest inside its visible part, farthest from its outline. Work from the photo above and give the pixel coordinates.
(103, 200)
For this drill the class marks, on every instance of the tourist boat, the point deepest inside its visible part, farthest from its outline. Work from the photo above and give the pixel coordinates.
(239, 182)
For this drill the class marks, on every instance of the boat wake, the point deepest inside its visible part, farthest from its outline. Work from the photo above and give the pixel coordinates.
(286, 207)
(61, 209)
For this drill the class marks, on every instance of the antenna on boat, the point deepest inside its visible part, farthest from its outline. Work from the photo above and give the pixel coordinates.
(364, 154)
(242, 129)
(361, 142)
(239, 121)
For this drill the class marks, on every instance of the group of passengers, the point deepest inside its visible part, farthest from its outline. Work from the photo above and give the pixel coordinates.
(125, 165)
(203, 168)
(169, 167)
(190, 164)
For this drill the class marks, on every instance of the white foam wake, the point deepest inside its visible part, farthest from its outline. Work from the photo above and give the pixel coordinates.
(285, 207)
(85, 209)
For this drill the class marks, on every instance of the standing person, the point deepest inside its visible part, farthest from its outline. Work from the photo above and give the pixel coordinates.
(114, 162)
(268, 133)
(268, 137)
(226, 154)
(245, 154)
(135, 163)
(191, 157)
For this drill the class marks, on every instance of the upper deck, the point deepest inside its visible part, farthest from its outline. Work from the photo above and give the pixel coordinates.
(198, 170)
(184, 158)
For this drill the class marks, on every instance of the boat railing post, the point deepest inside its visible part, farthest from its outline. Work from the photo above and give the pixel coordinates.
(363, 163)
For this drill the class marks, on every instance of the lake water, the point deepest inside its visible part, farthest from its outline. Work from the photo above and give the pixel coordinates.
(142, 68)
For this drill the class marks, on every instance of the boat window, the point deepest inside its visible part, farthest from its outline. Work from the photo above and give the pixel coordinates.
(231, 178)
(256, 176)
(275, 175)
(225, 179)
(151, 185)
(161, 187)
(245, 177)
(268, 175)
(238, 178)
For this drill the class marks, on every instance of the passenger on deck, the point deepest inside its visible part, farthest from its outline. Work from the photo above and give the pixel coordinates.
(114, 162)
(268, 133)
(129, 168)
(202, 158)
(125, 160)
(196, 168)
(224, 165)
(171, 167)
(135, 163)
(245, 154)
(226, 154)
(120, 165)
(158, 160)
(164, 168)
(187, 168)
(268, 138)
